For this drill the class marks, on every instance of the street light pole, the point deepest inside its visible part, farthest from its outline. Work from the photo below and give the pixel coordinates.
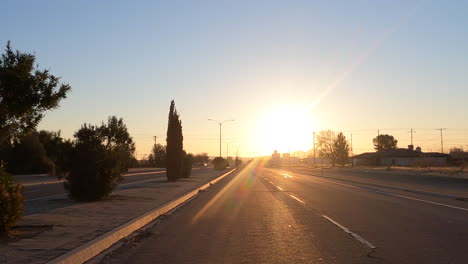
(220, 124)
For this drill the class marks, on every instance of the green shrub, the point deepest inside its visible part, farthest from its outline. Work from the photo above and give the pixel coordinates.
(220, 163)
(11, 202)
(94, 173)
(99, 157)
(187, 165)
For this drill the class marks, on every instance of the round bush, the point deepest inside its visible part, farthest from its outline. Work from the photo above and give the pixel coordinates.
(220, 163)
(11, 202)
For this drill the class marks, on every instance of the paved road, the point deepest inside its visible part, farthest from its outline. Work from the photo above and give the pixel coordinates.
(272, 216)
(43, 187)
(454, 185)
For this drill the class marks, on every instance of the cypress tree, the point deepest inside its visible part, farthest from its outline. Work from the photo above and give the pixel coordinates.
(174, 148)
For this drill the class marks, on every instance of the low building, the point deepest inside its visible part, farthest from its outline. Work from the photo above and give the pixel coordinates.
(400, 157)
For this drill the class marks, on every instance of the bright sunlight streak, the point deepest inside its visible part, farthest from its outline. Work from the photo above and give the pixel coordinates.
(285, 128)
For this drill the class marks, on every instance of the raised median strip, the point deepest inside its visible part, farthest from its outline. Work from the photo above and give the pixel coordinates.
(103, 242)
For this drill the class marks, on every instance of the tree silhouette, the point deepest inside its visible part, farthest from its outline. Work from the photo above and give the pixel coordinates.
(158, 157)
(384, 141)
(99, 157)
(325, 145)
(25, 93)
(174, 147)
(341, 150)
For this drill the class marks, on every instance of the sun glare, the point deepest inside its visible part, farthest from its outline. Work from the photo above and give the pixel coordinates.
(285, 128)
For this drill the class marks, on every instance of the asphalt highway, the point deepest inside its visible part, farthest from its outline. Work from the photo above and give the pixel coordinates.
(45, 187)
(263, 215)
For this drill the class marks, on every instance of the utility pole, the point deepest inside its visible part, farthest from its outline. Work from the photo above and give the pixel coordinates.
(351, 144)
(220, 124)
(313, 140)
(378, 140)
(412, 131)
(441, 140)
(227, 150)
(155, 139)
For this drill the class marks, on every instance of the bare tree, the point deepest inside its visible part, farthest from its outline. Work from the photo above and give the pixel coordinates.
(325, 145)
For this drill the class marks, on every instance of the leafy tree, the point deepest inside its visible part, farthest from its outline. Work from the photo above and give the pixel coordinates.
(28, 155)
(201, 158)
(174, 147)
(117, 139)
(25, 93)
(100, 155)
(11, 202)
(384, 141)
(58, 150)
(341, 150)
(457, 152)
(187, 165)
(158, 157)
(326, 145)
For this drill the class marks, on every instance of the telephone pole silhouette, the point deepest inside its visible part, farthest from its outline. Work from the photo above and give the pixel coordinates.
(412, 131)
(441, 140)
(313, 140)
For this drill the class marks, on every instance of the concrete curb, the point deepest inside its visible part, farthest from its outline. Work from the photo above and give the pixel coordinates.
(101, 243)
(440, 195)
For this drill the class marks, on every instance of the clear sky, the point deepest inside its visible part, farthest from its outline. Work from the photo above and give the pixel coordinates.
(281, 69)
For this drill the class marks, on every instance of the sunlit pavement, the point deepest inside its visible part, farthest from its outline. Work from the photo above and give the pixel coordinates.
(247, 219)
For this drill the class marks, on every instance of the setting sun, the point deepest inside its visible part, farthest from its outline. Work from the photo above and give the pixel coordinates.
(285, 128)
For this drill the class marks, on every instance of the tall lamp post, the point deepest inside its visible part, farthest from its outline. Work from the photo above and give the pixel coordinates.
(220, 124)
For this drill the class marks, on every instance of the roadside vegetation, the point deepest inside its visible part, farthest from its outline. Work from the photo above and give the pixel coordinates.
(11, 203)
(384, 142)
(92, 163)
(26, 93)
(100, 155)
(220, 163)
(334, 147)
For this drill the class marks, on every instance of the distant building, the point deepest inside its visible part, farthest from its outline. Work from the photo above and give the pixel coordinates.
(275, 159)
(400, 157)
(275, 155)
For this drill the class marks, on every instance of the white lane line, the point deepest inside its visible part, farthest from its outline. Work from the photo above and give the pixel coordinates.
(297, 199)
(400, 196)
(421, 200)
(41, 183)
(133, 183)
(143, 173)
(279, 188)
(46, 197)
(354, 235)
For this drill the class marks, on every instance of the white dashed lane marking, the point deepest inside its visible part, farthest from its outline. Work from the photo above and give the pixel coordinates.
(354, 235)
